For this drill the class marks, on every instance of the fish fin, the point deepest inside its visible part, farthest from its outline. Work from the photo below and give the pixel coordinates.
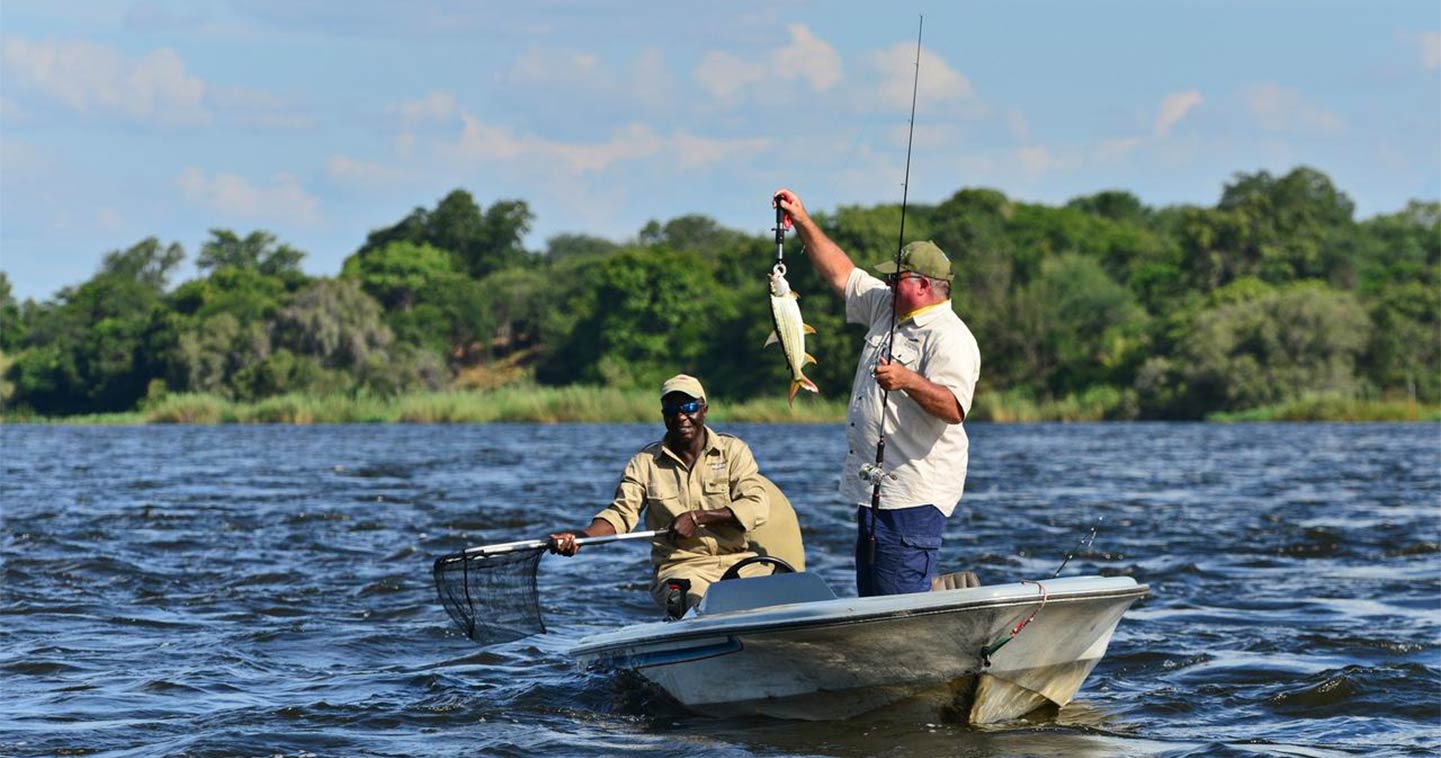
(807, 329)
(809, 359)
(796, 386)
(771, 340)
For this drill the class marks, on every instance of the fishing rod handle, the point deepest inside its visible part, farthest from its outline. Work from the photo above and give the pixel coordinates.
(780, 229)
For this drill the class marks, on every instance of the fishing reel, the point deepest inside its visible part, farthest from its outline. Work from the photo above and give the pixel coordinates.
(874, 473)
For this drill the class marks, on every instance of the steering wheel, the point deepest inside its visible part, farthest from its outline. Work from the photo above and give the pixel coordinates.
(778, 566)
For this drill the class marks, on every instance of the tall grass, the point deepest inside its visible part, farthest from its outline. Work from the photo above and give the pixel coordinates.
(1335, 408)
(578, 403)
(533, 404)
(1016, 407)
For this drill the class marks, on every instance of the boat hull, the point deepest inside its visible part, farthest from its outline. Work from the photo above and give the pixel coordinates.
(834, 659)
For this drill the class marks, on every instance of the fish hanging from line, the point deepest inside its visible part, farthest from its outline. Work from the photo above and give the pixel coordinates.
(790, 331)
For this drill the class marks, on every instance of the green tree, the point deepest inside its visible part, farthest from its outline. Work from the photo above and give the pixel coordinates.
(92, 350)
(12, 327)
(564, 247)
(645, 315)
(217, 330)
(481, 241)
(258, 251)
(1074, 327)
(1257, 346)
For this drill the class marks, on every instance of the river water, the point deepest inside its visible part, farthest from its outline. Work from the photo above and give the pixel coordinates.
(265, 590)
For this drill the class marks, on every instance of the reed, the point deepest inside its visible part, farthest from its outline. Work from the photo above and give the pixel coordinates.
(1335, 408)
(1019, 407)
(528, 403)
(189, 408)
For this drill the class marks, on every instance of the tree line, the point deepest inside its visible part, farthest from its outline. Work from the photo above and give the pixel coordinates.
(1276, 293)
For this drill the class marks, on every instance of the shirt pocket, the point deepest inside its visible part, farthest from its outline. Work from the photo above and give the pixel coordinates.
(906, 353)
(716, 494)
(663, 498)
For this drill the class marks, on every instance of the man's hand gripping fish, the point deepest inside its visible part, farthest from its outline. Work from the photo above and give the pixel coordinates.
(790, 330)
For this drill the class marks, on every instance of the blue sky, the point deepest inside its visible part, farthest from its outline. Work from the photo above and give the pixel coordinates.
(320, 121)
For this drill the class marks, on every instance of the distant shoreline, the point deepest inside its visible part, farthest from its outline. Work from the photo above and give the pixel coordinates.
(585, 404)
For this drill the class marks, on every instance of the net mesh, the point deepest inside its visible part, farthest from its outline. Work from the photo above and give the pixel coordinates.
(493, 598)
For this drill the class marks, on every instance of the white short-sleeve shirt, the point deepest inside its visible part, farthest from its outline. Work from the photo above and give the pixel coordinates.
(926, 457)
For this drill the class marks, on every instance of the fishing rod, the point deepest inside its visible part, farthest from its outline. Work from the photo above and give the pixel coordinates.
(876, 473)
(1084, 542)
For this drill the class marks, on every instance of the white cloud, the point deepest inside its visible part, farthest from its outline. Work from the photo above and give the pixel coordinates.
(727, 76)
(808, 57)
(651, 81)
(20, 158)
(1036, 160)
(1173, 108)
(480, 141)
(486, 142)
(551, 67)
(436, 106)
(91, 78)
(1114, 149)
(698, 152)
(1016, 123)
(12, 112)
(571, 75)
(253, 106)
(234, 195)
(404, 144)
(1282, 109)
(937, 84)
(1431, 50)
(355, 172)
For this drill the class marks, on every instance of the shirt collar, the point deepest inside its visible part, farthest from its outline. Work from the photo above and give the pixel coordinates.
(927, 313)
(712, 443)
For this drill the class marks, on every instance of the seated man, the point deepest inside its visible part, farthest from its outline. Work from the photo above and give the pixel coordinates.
(704, 487)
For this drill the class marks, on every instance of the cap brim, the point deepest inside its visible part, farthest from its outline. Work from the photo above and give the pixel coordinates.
(886, 267)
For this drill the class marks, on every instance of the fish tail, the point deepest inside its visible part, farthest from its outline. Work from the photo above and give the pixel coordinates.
(796, 386)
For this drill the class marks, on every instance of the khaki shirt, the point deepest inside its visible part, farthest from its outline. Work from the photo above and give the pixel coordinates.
(926, 458)
(656, 481)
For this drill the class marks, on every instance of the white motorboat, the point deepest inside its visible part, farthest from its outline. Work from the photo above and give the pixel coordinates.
(785, 646)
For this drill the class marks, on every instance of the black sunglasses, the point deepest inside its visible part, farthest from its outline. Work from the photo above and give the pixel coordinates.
(894, 279)
(688, 407)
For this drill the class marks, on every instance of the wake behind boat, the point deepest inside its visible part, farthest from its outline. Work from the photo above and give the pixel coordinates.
(785, 646)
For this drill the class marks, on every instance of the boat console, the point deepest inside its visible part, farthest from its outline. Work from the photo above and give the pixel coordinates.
(762, 592)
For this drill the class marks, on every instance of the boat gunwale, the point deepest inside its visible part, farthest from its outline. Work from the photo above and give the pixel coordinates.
(664, 632)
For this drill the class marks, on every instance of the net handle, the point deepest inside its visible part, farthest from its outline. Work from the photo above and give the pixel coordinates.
(515, 547)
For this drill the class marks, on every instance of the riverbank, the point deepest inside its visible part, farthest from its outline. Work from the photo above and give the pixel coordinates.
(533, 404)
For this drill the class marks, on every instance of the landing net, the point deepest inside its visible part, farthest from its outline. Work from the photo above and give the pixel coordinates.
(492, 597)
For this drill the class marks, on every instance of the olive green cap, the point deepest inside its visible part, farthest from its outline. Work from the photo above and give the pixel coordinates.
(923, 258)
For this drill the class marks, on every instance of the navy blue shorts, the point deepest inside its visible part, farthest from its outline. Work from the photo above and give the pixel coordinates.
(908, 549)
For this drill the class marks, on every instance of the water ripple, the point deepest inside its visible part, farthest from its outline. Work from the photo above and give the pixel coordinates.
(223, 591)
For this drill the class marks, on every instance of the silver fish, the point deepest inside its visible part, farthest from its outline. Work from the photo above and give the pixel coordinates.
(790, 331)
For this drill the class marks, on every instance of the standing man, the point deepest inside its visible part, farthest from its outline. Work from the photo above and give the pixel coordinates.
(705, 488)
(931, 375)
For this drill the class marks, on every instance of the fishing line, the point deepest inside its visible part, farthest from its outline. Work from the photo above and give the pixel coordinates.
(991, 649)
(876, 473)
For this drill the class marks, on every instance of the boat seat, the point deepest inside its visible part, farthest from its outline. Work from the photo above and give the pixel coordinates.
(956, 580)
(762, 591)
